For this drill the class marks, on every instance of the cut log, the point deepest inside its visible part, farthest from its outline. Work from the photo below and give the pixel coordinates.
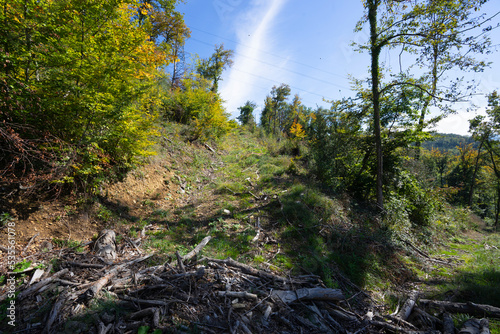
(309, 294)
(448, 326)
(405, 311)
(477, 310)
(471, 326)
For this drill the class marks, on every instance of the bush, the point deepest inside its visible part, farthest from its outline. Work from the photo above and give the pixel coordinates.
(195, 104)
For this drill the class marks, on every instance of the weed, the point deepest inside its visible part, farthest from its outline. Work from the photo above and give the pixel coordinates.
(21, 266)
(104, 214)
(5, 218)
(68, 244)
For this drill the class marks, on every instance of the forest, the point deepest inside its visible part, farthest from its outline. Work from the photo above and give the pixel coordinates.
(107, 124)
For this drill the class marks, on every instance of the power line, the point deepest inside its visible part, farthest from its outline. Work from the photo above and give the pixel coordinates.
(266, 52)
(278, 82)
(305, 101)
(275, 81)
(281, 68)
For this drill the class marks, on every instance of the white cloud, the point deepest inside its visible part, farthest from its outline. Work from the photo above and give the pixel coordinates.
(254, 32)
(458, 123)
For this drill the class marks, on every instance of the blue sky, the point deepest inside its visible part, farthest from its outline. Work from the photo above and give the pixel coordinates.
(305, 44)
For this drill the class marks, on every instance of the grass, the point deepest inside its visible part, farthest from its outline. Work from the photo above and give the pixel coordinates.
(308, 230)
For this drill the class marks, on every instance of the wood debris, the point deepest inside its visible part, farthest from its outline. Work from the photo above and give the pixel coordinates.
(211, 296)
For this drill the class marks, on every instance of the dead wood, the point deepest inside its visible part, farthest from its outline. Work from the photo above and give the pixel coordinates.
(103, 281)
(309, 294)
(448, 326)
(85, 265)
(105, 245)
(248, 269)
(37, 286)
(103, 329)
(180, 263)
(478, 310)
(236, 294)
(152, 302)
(36, 276)
(197, 249)
(139, 315)
(400, 322)
(424, 254)
(336, 326)
(424, 320)
(485, 326)
(471, 326)
(405, 311)
(56, 309)
(387, 326)
(29, 243)
(211, 149)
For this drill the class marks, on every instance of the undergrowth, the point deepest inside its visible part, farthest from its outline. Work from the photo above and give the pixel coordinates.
(251, 186)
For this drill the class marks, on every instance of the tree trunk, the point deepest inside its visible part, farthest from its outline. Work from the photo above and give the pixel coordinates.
(375, 71)
(473, 181)
(421, 120)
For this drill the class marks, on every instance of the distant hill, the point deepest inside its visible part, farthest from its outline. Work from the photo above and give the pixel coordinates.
(447, 141)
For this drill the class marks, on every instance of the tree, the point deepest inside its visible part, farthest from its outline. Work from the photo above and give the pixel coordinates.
(414, 26)
(170, 33)
(275, 109)
(83, 73)
(487, 131)
(450, 42)
(246, 113)
(213, 67)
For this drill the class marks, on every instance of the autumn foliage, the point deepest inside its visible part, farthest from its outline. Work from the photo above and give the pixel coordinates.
(78, 89)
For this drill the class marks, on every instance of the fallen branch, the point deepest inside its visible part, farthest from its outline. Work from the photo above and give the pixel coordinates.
(237, 294)
(468, 308)
(211, 149)
(197, 249)
(86, 265)
(448, 326)
(34, 288)
(151, 302)
(248, 269)
(54, 313)
(29, 243)
(103, 281)
(485, 326)
(309, 294)
(471, 326)
(179, 262)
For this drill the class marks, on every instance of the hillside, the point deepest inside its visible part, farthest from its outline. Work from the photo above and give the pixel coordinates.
(447, 141)
(261, 208)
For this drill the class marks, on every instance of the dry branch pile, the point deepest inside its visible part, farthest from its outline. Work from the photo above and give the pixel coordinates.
(88, 294)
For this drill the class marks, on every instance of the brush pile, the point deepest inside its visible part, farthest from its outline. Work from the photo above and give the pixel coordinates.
(111, 289)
